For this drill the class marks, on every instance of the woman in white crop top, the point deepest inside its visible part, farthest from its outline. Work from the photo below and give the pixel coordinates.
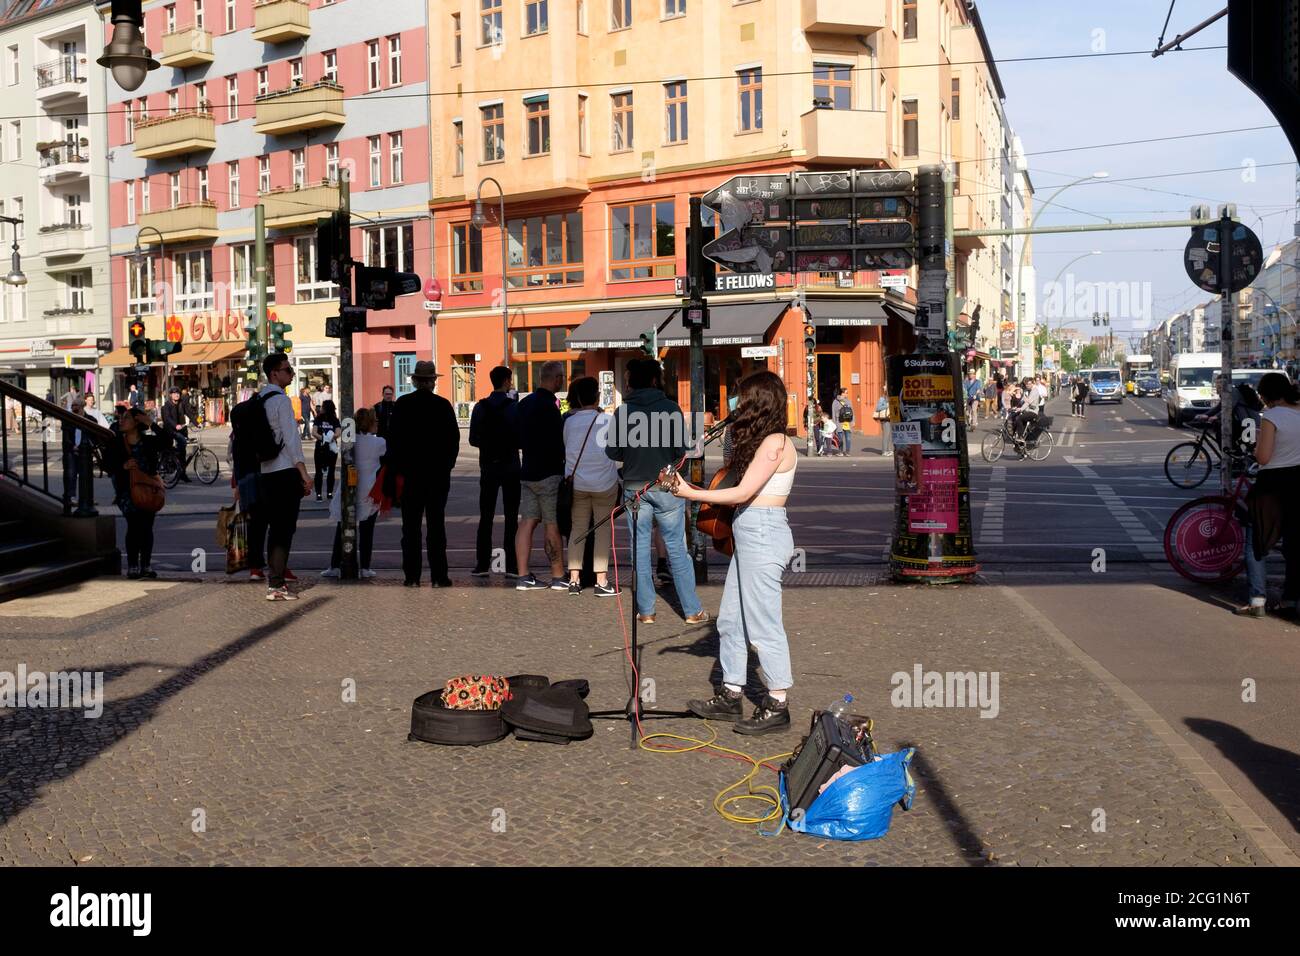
(764, 459)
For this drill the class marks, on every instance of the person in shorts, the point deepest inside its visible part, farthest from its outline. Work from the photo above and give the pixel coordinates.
(541, 439)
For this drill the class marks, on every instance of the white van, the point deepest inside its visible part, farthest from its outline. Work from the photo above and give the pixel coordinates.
(1190, 391)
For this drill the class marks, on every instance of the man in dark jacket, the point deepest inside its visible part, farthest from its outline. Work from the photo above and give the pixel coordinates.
(423, 442)
(494, 431)
(384, 411)
(649, 432)
(175, 427)
(541, 438)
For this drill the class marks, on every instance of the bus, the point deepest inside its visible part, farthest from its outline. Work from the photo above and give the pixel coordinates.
(1134, 367)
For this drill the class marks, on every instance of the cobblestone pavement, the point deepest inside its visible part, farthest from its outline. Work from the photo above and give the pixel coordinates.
(223, 707)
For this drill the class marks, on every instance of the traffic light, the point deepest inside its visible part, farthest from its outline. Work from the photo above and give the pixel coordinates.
(159, 350)
(333, 246)
(278, 342)
(810, 355)
(139, 345)
(650, 343)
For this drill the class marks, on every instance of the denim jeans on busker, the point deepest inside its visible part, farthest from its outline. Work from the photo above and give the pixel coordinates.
(751, 598)
(670, 512)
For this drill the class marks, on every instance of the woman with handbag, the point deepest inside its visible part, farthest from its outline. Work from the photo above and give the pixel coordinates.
(131, 460)
(325, 428)
(592, 478)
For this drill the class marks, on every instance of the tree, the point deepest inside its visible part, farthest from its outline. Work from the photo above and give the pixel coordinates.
(1090, 356)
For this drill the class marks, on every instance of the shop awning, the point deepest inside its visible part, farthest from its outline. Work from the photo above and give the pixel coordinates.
(618, 330)
(828, 312)
(744, 324)
(204, 353)
(119, 358)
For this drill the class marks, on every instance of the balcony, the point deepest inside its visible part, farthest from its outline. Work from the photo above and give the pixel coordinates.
(189, 131)
(965, 216)
(845, 137)
(278, 21)
(191, 222)
(61, 78)
(851, 17)
(63, 162)
(188, 47)
(300, 205)
(306, 107)
(64, 238)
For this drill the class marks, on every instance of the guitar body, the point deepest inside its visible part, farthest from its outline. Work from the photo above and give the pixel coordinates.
(715, 520)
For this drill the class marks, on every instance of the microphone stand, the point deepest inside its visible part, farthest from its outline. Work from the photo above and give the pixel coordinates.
(632, 711)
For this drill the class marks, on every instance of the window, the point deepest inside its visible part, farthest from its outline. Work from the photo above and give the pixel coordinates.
(330, 66)
(395, 169)
(203, 184)
(956, 98)
(295, 72)
(373, 77)
(466, 258)
(620, 14)
(175, 181)
(832, 86)
(455, 39)
(642, 243)
(543, 250)
(243, 275)
(910, 145)
(20, 229)
(230, 16)
(751, 99)
(173, 102)
(674, 8)
(129, 118)
(490, 31)
(263, 81)
(16, 140)
(192, 281)
(15, 66)
(171, 17)
(332, 162)
(198, 14)
(130, 202)
(458, 147)
(299, 158)
(582, 123)
(582, 17)
(232, 183)
(391, 247)
(675, 126)
(264, 174)
(909, 19)
(395, 61)
(621, 128)
(306, 288)
(144, 194)
(75, 290)
(494, 132)
(537, 109)
(535, 19)
(144, 107)
(139, 286)
(201, 97)
(376, 162)
(232, 98)
(530, 349)
(72, 209)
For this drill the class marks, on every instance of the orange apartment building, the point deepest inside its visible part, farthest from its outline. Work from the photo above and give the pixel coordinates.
(600, 119)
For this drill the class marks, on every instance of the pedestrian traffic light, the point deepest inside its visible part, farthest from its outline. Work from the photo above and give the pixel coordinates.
(139, 345)
(810, 340)
(278, 342)
(160, 349)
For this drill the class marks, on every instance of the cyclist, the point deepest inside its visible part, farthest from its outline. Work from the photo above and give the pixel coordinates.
(174, 425)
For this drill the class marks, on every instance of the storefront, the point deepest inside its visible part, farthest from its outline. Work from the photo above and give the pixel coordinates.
(50, 366)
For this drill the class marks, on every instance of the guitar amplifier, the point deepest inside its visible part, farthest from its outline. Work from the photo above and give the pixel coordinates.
(830, 745)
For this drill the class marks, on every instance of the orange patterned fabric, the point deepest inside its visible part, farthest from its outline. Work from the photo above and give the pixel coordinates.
(475, 692)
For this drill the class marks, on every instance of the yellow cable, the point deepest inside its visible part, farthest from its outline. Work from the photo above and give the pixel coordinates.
(765, 794)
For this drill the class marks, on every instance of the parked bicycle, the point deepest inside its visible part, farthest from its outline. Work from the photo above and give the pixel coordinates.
(1036, 444)
(1205, 539)
(1188, 464)
(206, 464)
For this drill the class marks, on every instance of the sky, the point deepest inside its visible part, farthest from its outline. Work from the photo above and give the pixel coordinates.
(1060, 104)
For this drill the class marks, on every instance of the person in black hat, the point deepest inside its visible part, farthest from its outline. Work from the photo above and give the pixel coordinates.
(423, 442)
(175, 427)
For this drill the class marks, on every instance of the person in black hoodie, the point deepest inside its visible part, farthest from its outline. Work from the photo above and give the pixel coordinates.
(493, 430)
(423, 442)
(133, 447)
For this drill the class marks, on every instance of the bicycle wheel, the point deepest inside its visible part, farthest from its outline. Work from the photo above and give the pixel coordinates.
(168, 469)
(206, 466)
(993, 446)
(1204, 540)
(1187, 465)
(1040, 446)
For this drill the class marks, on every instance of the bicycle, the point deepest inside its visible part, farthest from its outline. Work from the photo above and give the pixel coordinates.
(206, 464)
(1036, 445)
(1205, 539)
(1188, 464)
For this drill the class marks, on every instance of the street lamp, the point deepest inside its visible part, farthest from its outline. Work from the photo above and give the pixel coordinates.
(139, 255)
(480, 219)
(15, 276)
(126, 56)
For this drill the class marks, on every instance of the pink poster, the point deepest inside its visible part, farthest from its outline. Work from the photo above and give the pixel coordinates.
(933, 506)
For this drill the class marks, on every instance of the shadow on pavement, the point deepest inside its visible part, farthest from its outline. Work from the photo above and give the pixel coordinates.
(959, 828)
(1272, 770)
(40, 746)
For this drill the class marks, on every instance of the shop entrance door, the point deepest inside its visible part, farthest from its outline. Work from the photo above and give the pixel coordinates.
(403, 366)
(828, 379)
(462, 387)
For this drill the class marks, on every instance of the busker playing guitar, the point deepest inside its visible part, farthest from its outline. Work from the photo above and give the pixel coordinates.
(764, 459)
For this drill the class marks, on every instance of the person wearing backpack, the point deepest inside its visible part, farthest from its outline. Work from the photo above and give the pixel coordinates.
(842, 413)
(493, 430)
(246, 477)
(285, 481)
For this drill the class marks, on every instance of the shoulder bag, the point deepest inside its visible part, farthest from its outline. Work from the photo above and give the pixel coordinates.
(147, 491)
(564, 497)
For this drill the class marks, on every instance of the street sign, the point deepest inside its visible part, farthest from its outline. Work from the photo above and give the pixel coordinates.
(433, 290)
(824, 184)
(758, 351)
(894, 280)
(760, 248)
(885, 233)
(1201, 258)
(103, 345)
(431, 305)
(867, 181)
(878, 259)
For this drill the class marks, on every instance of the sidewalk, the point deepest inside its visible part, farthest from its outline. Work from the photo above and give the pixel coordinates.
(220, 702)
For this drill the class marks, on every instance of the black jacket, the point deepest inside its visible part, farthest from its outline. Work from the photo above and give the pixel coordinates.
(424, 438)
(657, 430)
(173, 416)
(384, 415)
(145, 454)
(541, 436)
(494, 431)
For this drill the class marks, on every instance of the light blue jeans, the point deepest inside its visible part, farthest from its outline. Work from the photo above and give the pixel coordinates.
(670, 512)
(751, 598)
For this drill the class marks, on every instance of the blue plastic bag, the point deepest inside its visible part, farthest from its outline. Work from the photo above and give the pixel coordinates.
(860, 804)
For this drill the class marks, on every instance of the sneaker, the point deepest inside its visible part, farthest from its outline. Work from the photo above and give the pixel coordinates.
(605, 590)
(408, 583)
(280, 594)
(366, 574)
(289, 575)
(575, 588)
(256, 574)
(318, 497)
(481, 572)
(330, 573)
(148, 573)
(1251, 610)
(132, 573)
(529, 582)
(559, 584)
(770, 717)
(695, 620)
(724, 705)
(645, 618)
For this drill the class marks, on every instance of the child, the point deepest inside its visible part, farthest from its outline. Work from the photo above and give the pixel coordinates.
(370, 449)
(830, 436)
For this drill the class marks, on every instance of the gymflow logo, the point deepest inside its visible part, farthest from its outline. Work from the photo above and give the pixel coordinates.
(74, 690)
(74, 909)
(922, 688)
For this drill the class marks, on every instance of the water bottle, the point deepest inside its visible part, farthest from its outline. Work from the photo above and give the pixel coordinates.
(841, 709)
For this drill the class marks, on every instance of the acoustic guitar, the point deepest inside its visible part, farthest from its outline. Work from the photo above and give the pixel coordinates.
(712, 520)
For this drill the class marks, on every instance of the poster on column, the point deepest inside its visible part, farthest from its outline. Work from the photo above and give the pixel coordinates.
(933, 506)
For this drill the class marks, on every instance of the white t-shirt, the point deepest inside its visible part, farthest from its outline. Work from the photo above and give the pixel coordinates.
(596, 471)
(1286, 444)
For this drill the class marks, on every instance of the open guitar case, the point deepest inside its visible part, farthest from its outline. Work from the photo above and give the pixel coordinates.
(538, 710)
